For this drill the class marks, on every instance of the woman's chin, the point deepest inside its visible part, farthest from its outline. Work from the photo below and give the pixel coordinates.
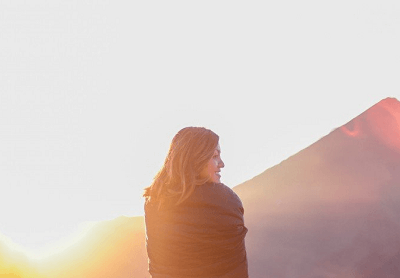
(217, 180)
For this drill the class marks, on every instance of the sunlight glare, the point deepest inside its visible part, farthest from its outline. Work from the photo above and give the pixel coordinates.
(62, 244)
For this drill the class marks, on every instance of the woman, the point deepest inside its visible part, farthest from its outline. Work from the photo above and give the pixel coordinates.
(194, 223)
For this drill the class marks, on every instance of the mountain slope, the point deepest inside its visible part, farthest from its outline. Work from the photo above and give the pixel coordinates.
(333, 209)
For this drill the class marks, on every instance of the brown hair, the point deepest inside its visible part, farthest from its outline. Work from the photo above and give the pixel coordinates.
(189, 152)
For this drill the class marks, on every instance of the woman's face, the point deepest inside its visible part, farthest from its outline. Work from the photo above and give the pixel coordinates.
(212, 171)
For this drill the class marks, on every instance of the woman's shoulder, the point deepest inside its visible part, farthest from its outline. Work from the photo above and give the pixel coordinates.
(217, 193)
(215, 186)
(218, 188)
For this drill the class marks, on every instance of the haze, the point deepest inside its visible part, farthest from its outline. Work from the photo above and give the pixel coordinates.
(92, 92)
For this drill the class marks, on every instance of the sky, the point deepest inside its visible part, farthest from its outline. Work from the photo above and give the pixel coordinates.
(92, 92)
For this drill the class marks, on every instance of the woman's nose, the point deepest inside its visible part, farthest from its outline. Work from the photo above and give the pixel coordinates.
(221, 164)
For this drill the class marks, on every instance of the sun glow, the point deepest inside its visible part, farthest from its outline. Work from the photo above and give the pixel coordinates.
(9, 244)
(15, 261)
(95, 249)
(41, 255)
(63, 244)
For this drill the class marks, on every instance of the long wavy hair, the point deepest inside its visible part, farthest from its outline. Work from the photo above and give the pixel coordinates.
(188, 154)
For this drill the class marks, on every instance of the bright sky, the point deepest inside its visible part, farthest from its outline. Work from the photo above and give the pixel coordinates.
(92, 92)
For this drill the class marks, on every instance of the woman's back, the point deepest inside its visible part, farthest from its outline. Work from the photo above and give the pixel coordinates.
(201, 237)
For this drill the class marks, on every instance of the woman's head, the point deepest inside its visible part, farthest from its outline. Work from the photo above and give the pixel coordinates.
(192, 159)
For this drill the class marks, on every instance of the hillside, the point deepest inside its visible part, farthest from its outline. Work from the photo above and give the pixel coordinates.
(333, 209)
